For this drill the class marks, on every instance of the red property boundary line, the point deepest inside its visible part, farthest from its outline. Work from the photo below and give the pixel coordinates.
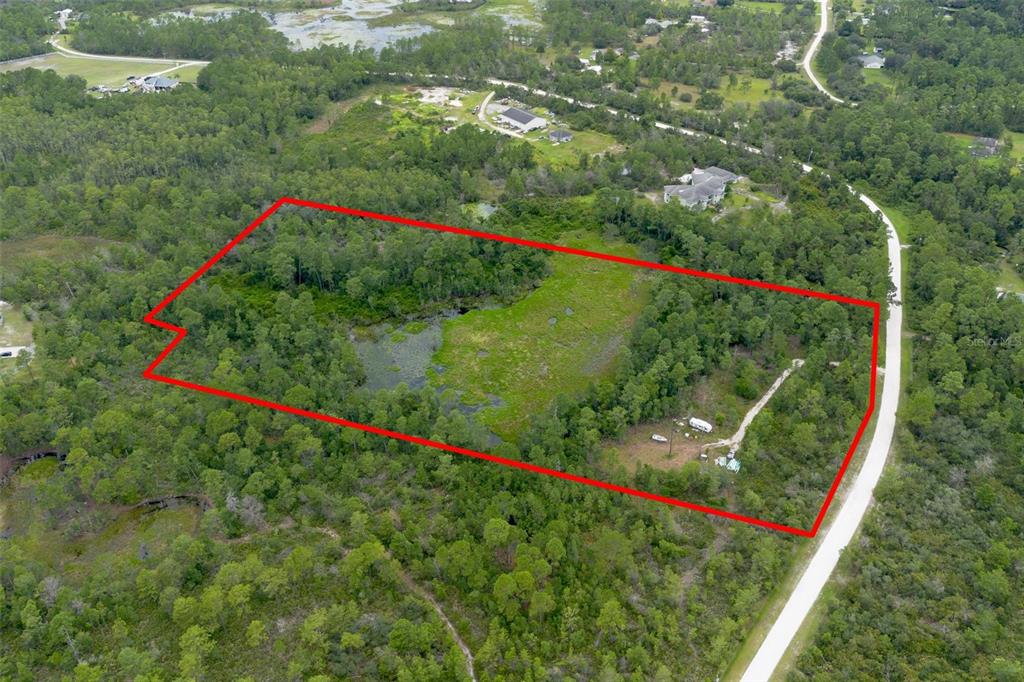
(181, 332)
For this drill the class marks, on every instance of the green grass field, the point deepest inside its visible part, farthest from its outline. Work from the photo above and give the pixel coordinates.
(761, 6)
(553, 342)
(568, 153)
(749, 90)
(1018, 146)
(99, 71)
(1009, 279)
(878, 76)
(16, 330)
(49, 247)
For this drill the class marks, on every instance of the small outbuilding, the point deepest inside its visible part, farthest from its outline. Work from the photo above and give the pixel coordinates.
(560, 136)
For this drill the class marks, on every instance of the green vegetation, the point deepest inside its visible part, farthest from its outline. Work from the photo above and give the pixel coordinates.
(761, 6)
(24, 27)
(16, 329)
(304, 551)
(554, 342)
(567, 154)
(100, 71)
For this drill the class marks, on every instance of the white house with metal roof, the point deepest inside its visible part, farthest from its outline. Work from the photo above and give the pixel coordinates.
(521, 120)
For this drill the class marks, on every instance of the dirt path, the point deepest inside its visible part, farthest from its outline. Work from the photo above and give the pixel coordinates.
(420, 592)
(737, 438)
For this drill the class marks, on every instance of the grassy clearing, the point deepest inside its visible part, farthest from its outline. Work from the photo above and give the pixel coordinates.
(748, 90)
(16, 329)
(761, 6)
(712, 398)
(553, 342)
(1018, 146)
(878, 77)
(106, 72)
(901, 221)
(568, 153)
(108, 536)
(1009, 278)
(49, 247)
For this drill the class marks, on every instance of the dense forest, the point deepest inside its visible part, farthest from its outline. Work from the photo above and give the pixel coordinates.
(24, 27)
(288, 548)
(520, 564)
(112, 32)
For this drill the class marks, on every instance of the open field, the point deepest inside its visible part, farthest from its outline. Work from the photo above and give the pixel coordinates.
(106, 536)
(1008, 278)
(637, 446)
(568, 153)
(99, 71)
(749, 90)
(1018, 146)
(761, 6)
(49, 246)
(878, 76)
(16, 330)
(553, 342)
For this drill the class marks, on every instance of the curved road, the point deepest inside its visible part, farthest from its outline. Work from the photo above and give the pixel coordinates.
(849, 516)
(68, 52)
(812, 50)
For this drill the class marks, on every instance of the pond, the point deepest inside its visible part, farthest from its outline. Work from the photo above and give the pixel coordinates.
(343, 24)
(354, 22)
(406, 356)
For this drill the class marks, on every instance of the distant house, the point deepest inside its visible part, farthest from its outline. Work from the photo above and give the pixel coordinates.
(871, 61)
(560, 136)
(157, 84)
(660, 23)
(984, 147)
(523, 121)
(701, 188)
(701, 21)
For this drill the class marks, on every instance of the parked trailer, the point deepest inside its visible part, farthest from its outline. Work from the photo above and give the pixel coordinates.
(700, 425)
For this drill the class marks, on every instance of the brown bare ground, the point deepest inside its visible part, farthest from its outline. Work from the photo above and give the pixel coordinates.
(638, 448)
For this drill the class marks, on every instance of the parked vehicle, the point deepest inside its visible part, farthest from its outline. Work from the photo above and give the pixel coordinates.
(659, 438)
(700, 425)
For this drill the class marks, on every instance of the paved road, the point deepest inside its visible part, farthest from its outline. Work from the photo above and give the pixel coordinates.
(812, 50)
(14, 351)
(852, 511)
(850, 514)
(68, 52)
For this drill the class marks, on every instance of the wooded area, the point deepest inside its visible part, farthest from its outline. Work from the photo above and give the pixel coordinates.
(313, 558)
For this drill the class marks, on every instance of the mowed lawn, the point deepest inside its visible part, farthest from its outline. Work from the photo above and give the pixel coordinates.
(567, 154)
(111, 73)
(553, 342)
(761, 6)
